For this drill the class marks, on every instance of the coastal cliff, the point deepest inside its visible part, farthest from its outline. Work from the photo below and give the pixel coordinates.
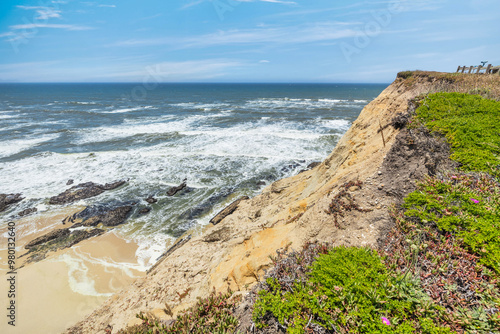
(235, 253)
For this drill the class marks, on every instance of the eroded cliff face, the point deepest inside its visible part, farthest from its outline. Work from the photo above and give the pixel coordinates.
(235, 253)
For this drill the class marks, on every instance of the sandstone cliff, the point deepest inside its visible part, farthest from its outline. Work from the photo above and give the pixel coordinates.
(235, 253)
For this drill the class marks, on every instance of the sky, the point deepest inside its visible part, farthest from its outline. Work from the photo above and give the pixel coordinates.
(310, 41)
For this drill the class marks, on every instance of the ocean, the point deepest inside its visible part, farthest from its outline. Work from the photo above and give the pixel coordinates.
(226, 140)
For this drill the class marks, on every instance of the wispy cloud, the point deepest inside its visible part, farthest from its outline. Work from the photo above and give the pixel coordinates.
(109, 6)
(48, 25)
(197, 2)
(44, 13)
(326, 31)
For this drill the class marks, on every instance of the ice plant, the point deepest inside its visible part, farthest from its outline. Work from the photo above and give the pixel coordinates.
(474, 200)
(386, 321)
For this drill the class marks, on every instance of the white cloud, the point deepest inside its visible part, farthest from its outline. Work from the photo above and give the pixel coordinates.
(109, 6)
(44, 13)
(46, 25)
(229, 2)
(319, 32)
(264, 61)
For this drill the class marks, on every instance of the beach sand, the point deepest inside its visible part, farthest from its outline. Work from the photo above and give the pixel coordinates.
(56, 292)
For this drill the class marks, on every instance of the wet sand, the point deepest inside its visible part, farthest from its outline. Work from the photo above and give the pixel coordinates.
(58, 291)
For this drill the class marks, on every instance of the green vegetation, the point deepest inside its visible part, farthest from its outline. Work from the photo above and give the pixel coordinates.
(350, 291)
(471, 125)
(439, 270)
(466, 205)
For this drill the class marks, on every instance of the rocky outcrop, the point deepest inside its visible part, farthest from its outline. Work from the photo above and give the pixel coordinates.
(27, 212)
(110, 218)
(174, 190)
(365, 167)
(83, 191)
(53, 235)
(9, 199)
(84, 227)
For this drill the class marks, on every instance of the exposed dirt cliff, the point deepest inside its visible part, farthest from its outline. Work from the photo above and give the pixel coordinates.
(381, 162)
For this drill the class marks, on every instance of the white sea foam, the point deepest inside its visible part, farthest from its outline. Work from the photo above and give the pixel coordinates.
(287, 103)
(78, 272)
(11, 147)
(124, 110)
(8, 116)
(201, 106)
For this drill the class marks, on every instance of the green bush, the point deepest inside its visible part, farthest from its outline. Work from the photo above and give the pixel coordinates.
(463, 204)
(471, 125)
(349, 290)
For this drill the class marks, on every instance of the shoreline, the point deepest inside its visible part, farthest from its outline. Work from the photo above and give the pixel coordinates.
(67, 285)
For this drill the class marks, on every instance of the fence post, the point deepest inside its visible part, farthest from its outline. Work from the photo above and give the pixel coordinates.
(470, 69)
(458, 69)
(479, 68)
(463, 69)
(488, 69)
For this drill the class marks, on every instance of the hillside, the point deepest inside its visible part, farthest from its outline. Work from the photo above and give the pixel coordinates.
(375, 165)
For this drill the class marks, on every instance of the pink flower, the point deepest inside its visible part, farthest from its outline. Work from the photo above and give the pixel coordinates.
(474, 200)
(386, 321)
(454, 177)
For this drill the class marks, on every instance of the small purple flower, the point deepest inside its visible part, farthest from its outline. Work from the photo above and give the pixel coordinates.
(386, 321)
(474, 200)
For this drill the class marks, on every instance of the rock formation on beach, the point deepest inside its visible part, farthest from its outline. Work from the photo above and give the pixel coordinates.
(82, 191)
(9, 199)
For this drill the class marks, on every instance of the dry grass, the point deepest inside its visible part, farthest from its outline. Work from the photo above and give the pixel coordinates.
(486, 85)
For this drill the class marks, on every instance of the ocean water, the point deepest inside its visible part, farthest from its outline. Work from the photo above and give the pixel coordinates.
(227, 140)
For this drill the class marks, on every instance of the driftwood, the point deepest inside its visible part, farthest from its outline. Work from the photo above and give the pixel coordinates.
(227, 211)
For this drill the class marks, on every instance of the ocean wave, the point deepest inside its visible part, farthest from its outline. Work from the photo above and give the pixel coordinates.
(14, 146)
(291, 103)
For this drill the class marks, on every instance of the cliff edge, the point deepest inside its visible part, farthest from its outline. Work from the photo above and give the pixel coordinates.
(370, 162)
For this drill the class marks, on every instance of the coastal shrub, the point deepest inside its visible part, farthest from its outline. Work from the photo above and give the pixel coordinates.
(466, 205)
(349, 290)
(470, 123)
(405, 74)
(448, 272)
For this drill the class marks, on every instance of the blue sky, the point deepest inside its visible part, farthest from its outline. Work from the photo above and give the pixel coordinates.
(242, 40)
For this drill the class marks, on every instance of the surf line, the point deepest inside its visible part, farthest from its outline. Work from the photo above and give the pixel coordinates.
(12, 274)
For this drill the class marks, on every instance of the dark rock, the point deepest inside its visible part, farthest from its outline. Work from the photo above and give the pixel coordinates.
(27, 212)
(174, 190)
(207, 205)
(53, 235)
(82, 191)
(261, 183)
(227, 211)
(151, 200)
(110, 218)
(143, 211)
(55, 240)
(70, 182)
(8, 199)
(114, 185)
(313, 164)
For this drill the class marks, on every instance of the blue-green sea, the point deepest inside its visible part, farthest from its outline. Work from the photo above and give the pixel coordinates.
(227, 140)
